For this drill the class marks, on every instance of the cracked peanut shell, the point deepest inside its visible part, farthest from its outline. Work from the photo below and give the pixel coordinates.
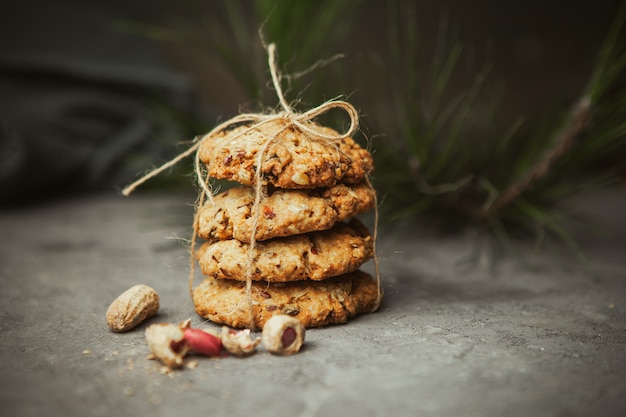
(167, 343)
(283, 335)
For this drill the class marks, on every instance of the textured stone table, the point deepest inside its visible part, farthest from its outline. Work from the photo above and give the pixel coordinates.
(532, 336)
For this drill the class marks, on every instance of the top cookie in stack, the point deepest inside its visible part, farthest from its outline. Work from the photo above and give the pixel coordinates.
(291, 159)
(307, 247)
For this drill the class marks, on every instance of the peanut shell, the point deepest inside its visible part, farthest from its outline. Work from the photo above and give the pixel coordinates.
(167, 343)
(239, 342)
(132, 307)
(283, 335)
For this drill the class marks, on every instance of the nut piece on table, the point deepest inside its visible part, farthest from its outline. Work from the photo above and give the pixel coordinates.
(167, 343)
(132, 307)
(202, 342)
(238, 342)
(283, 335)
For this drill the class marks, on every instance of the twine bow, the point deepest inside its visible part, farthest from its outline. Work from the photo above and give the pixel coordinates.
(301, 121)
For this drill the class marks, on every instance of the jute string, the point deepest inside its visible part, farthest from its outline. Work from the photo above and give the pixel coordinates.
(291, 119)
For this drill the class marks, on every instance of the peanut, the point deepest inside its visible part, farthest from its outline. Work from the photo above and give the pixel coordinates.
(283, 335)
(167, 343)
(203, 342)
(239, 342)
(300, 178)
(132, 307)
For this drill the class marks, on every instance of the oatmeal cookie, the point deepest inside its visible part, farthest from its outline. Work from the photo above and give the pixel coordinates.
(314, 303)
(283, 213)
(292, 159)
(315, 256)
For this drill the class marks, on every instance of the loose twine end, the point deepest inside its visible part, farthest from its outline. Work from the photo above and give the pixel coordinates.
(291, 119)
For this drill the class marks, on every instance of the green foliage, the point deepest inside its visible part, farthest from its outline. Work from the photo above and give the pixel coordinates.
(506, 179)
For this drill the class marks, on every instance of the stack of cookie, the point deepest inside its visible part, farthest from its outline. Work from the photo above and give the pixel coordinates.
(308, 247)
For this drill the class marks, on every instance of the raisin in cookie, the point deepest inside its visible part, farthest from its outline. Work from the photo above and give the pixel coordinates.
(315, 255)
(283, 213)
(292, 158)
(314, 303)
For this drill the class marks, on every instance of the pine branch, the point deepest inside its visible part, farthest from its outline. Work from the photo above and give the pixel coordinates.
(579, 119)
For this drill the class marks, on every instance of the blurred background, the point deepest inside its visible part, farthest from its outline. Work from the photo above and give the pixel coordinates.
(478, 112)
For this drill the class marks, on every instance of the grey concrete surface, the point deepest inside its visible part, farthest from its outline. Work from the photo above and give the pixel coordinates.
(536, 335)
